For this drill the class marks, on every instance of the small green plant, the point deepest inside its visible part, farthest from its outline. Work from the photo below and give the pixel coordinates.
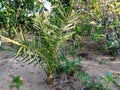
(95, 86)
(84, 77)
(100, 61)
(101, 83)
(71, 66)
(116, 80)
(87, 82)
(112, 58)
(108, 80)
(17, 82)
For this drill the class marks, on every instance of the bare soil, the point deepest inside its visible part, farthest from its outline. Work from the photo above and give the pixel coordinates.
(34, 78)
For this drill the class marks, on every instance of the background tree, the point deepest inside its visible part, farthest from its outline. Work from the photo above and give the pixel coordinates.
(17, 14)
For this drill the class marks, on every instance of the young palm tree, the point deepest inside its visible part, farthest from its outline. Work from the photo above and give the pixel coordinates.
(44, 46)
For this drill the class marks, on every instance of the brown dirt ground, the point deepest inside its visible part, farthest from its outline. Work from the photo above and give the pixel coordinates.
(34, 77)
